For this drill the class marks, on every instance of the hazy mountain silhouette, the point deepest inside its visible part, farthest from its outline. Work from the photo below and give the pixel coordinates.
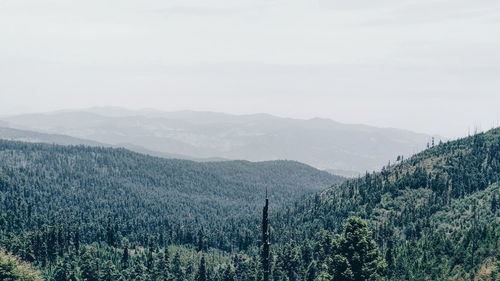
(322, 143)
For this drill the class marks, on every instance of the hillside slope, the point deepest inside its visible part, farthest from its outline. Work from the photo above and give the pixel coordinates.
(12, 269)
(142, 195)
(435, 215)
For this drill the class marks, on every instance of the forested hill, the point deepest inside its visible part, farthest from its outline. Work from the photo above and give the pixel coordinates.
(90, 213)
(92, 188)
(434, 215)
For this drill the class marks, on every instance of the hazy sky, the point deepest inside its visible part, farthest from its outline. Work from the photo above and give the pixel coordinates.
(425, 65)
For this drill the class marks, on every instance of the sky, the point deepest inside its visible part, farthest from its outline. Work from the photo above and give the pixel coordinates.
(430, 66)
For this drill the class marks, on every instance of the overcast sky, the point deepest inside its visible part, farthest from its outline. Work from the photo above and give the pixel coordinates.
(426, 65)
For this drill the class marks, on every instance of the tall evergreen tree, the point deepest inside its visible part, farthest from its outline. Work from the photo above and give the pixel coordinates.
(311, 272)
(323, 274)
(177, 269)
(90, 271)
(125, 257)
(265, 257)
(165, 265)
(109, 272)
(360, 251)
(61, 272)
(228, 274)
(202, 270)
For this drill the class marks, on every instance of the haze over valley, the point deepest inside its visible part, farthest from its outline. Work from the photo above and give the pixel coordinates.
(322, 143)
(249, 140)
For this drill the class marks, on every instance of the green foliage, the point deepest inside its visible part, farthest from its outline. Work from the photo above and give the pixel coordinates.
(434, 215)
(358, 253)
(323, 275)
(351, 256)
(202, 270)
(12, 269)
(80, 213)
(103, 194)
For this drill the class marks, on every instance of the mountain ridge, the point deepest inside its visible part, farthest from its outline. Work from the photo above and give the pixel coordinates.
(38, 137)
(322, 143)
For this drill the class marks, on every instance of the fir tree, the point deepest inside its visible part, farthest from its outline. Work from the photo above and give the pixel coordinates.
(311, 272)
(61, 272)
(359, 252)
(89, 267)
(177, 269)
(323, 274)
(228, 274)
(265, 256)
(202, 270)
(109, 272)
(125, 257)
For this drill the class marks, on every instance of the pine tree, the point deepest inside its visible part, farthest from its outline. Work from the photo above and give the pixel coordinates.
(61, 272)
(201, 241)
(311, 272)
(111, 234)
(389, 256)
(360, 251)
(52, 244)
(290, 261)
(125, 257)
(202, 270)
(150, 259)
(76, 240)
(228, 274)
(265, 257)
(109, 272)
(323, 274)
(340, 268)
(89, 267)
(165, 265)
(494, 204)
(139, 270)
(177, 269)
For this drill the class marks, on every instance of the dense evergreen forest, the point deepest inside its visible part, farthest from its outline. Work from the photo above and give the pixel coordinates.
(80, 213)
(434, 216)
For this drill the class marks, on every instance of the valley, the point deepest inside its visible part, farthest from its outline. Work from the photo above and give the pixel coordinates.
(81, 210)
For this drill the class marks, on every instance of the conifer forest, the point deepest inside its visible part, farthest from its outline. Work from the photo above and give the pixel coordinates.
(85, 213)
(249, 140)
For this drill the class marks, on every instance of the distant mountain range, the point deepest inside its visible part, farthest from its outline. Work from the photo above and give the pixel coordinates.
(32, 136)
(322, 143)
(37, 137)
